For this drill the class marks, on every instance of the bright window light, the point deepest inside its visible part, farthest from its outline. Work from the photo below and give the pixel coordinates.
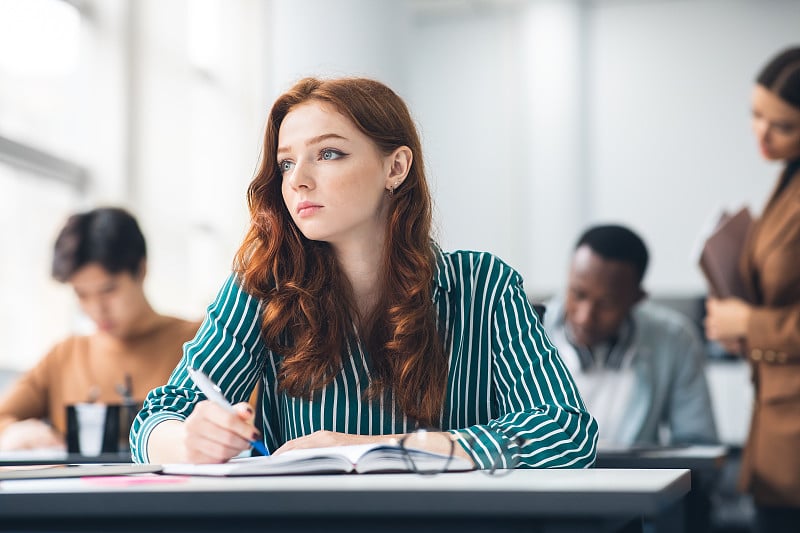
(38, 37)
(204, 38)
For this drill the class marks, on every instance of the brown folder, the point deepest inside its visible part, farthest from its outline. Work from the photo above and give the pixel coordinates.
(719, 259)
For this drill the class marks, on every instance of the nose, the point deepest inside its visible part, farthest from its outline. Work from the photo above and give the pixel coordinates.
(761, 129)
(584, 314)
(94, 308)
(301, 176)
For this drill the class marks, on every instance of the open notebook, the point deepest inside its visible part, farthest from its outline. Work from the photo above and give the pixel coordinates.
(360, 458)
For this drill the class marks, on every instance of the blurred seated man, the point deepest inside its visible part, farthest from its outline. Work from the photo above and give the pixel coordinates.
(638, 365)
(101, 254)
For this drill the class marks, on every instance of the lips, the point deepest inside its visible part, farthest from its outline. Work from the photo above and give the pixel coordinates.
(305, 209)
(765, 151)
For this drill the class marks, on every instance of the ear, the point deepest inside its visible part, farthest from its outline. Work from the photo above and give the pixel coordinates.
(399, 163)
(641, 294)
(142, 270)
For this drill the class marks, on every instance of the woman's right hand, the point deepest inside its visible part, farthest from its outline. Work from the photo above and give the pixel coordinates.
(726, 319)
(212, 434)
(733, 346)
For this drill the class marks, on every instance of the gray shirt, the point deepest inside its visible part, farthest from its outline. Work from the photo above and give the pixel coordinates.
(668, 389)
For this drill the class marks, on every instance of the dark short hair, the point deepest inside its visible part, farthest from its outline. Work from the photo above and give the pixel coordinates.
(617, 243)
(782, 76)
(109, 236)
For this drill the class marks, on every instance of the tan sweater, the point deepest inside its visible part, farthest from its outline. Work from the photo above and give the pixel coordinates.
(81, 366)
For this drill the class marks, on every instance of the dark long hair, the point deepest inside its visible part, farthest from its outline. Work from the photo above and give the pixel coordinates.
(781, 75)
(308, 311)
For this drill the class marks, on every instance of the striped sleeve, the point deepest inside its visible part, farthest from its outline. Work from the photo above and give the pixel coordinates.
(542, 422)
(227, 347)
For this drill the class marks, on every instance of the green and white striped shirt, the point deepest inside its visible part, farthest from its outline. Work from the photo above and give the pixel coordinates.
(507, 389)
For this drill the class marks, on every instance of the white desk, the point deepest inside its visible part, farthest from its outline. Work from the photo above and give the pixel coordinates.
(594, 500)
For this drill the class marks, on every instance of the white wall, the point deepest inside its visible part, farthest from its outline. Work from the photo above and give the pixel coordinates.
(341, 38)
(543, 116)
(669, 121)
(495, 92)
(472, 152)
(197, 112)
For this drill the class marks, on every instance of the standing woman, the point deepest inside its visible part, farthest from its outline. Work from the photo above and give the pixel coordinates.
(767, 331)
(357, 326)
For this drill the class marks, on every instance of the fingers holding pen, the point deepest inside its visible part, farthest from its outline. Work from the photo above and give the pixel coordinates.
(215, 434)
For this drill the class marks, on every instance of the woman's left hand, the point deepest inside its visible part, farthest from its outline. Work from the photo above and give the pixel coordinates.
(323, 439)
(726, 319)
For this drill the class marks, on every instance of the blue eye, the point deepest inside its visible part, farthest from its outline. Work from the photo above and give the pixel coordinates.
(329, 154)
(285, 166)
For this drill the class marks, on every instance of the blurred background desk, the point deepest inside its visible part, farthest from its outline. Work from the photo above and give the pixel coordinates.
(48, 457)
(546, 501)
(705, 463)
(699, 458)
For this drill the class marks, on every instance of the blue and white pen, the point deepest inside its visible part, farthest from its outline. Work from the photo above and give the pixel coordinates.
(213, 393)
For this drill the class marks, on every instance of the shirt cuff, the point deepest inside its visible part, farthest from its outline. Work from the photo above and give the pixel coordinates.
(139, 452)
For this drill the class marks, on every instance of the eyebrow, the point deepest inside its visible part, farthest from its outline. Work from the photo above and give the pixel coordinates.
(315, 140)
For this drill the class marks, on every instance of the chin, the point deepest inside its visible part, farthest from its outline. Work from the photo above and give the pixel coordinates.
(586, 341)
(309, 232)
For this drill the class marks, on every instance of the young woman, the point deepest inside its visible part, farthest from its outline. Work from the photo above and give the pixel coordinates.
(767, 330)
(357, 326)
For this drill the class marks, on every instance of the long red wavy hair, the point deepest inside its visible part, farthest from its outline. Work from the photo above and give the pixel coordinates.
(308, 311)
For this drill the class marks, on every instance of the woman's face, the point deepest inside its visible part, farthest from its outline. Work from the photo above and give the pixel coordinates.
(776, 125)
(334, 177)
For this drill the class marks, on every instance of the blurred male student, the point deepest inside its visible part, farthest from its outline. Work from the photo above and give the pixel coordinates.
(638, 365)
(101, 254)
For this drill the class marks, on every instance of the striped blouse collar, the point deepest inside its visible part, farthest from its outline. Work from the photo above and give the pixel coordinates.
(442, 276)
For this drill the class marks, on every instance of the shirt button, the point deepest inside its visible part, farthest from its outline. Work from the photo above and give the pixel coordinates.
(755, 354)
(782, 357)
(769, 356)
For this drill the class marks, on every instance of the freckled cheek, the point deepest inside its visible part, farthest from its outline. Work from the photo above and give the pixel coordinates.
(352, 187)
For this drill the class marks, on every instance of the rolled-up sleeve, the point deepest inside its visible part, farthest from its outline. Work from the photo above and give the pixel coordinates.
(227, 347)
(542, 420)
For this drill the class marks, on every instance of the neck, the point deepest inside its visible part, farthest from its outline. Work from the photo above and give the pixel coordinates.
(147, 321)
(361, 264)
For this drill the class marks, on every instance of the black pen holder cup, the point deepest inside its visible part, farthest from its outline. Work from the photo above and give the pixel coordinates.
(95, 428)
